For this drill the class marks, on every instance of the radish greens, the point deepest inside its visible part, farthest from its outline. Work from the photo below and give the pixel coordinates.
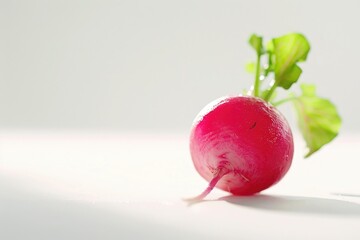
(318, 119)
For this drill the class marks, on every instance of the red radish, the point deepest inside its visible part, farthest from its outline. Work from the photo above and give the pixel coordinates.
(241, 144)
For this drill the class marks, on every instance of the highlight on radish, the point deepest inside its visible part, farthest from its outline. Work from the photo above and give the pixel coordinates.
(243, 144)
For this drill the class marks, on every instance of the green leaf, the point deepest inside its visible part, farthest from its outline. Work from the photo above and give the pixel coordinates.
(318, 119)
(256, 42)
(271, 58)
(291, 77)
(270, 47)
(250, 67)
(288, 51)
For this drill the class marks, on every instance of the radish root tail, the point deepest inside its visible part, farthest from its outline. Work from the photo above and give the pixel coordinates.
(217, 176)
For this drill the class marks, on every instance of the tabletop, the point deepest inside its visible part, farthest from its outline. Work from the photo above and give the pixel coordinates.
(131, 185)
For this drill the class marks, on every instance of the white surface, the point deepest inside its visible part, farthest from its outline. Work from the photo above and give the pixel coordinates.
(77, 185)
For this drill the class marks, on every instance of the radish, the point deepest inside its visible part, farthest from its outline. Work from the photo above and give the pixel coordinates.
(243, 144)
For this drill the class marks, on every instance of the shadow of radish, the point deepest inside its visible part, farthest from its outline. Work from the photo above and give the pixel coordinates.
(347, 195)
(294, 204)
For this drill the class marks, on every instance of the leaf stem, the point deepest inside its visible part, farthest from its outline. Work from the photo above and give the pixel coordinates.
(284, 100)
(271, 91)
(257, 77)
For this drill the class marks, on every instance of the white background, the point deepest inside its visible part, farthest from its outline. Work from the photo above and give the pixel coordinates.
(152, 65)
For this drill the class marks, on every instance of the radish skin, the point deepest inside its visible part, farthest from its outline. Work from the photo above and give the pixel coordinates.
(241, 145)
